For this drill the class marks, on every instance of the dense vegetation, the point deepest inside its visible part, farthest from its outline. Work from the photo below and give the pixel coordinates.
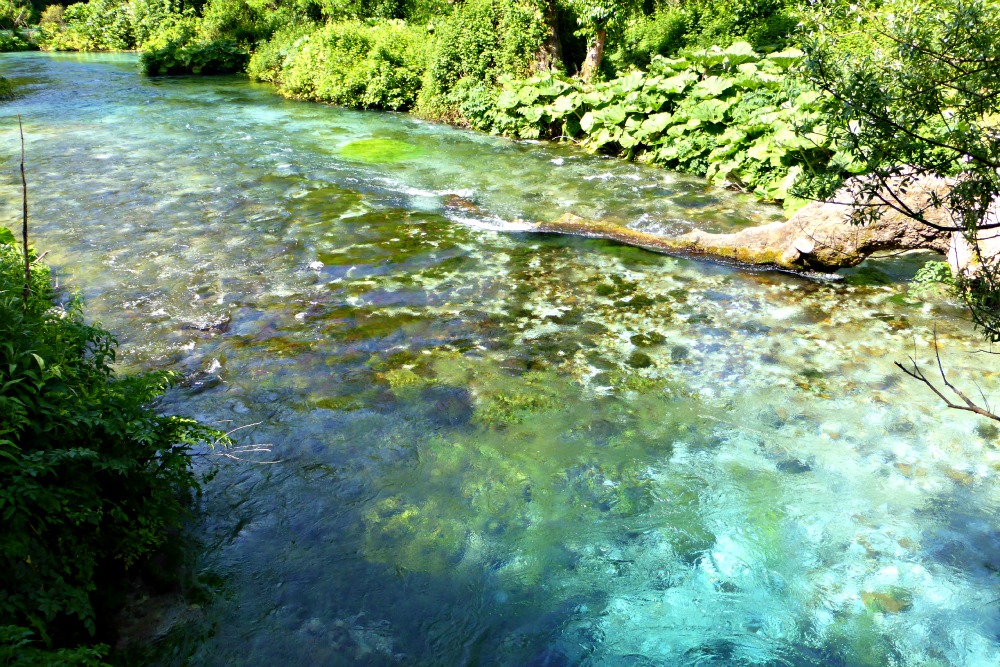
(94, 481)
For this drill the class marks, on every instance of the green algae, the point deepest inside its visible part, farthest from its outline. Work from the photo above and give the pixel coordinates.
(381, 151)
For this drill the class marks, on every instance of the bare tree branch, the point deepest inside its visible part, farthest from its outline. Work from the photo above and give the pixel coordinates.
(917, 374)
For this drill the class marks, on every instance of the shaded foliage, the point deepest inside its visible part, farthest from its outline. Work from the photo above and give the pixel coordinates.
(93, 479)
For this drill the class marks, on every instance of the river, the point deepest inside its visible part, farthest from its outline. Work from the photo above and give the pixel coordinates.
(498, 448)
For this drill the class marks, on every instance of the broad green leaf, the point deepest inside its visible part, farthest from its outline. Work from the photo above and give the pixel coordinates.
(655, 124)
(595, 98)
(532, 114)
(527, 95)
(761, 149)
(808, 98)
(6, 236)
(676, 85)
(627, 140)
(632, 81)
(667, 65)
(713, 86)
(565, 104)
(508, 99)
(732, 135)
(553, 87)
(786, 58)
(711, 111)
(778, 188)
(587, 122)
(613, 115)
(707, 58)
(740, 53)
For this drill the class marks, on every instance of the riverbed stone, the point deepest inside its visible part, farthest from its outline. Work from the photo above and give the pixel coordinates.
(891, 601)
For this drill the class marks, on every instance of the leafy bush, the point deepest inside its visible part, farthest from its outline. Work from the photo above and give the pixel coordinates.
(11, 41)
(247, 22)
(100, 25)
(480, 42)
(93, 480)
(933, 273)
(150, 17)
(269, 58)
(180, 50)
(731, 114)
(662, 34)
(15, 14)
(765, 24)
(378, 66)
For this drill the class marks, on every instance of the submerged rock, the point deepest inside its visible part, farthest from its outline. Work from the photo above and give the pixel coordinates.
(448, 406)
(893, 601)
(211, 324)
(640, 360)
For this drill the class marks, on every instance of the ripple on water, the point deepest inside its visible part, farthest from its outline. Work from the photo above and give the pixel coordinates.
(502, 448)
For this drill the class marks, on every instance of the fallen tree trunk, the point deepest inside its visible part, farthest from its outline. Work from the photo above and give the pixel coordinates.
(819, 238)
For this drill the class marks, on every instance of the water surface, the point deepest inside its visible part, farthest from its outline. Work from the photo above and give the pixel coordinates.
(498, 448)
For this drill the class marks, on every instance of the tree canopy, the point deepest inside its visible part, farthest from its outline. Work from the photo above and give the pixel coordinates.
(914, 87)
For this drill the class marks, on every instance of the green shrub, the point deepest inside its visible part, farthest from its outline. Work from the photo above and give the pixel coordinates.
(378, 66)
(245, 23)
(662, 34)
(934, 273)
(100, 25)
(270, 56)
(150, 17)
(11, 41)
(93, 480)
(480, 42)
(179, 49)
(765, 24)
(16, 14)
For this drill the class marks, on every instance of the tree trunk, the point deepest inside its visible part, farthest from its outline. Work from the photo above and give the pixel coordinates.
(550, 55)
(819, 238)
(594, 55)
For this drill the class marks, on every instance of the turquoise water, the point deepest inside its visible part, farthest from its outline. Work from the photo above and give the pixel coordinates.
(497, 448)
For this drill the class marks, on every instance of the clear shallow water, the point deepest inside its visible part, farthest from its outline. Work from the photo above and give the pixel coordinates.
(498, 448)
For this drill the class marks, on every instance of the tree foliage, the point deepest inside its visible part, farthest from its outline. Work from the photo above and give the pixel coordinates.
(93, 479)
(914, 86)
(377, 66)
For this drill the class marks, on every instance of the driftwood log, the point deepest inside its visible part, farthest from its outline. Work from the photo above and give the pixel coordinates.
(819, 238)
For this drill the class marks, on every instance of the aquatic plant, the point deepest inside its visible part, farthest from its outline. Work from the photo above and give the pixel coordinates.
(381, 151)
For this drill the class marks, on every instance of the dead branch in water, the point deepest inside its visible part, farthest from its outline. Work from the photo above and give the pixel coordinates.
(966, 404)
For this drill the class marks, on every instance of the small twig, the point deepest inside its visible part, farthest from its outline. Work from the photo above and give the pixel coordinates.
(24, 223)
(39, 258)
(918, 375)
(231, 453)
